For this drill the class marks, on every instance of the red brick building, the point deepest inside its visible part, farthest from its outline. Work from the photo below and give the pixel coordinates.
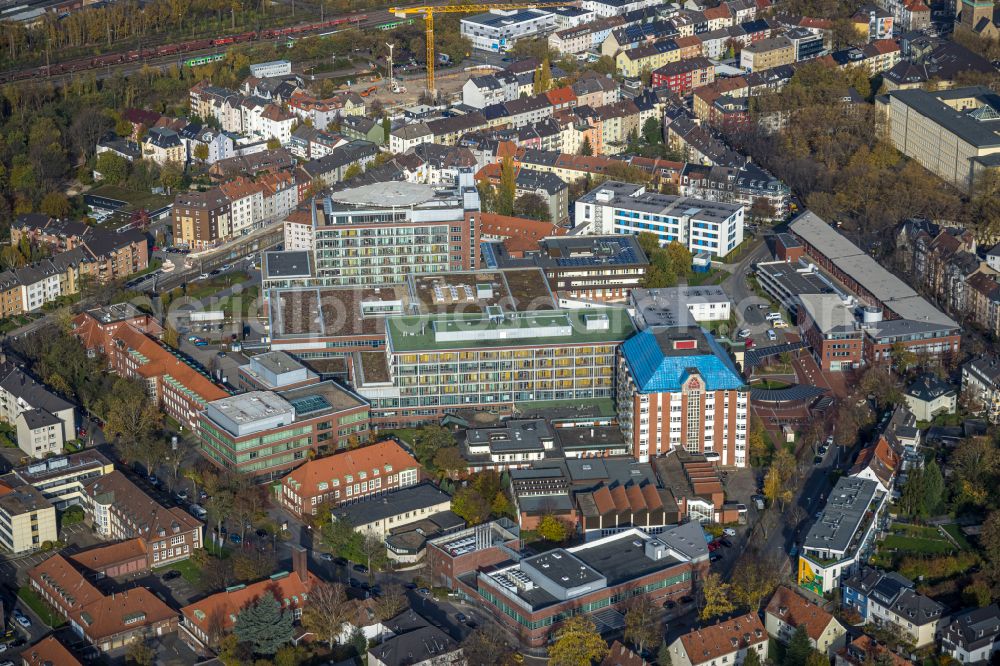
(532, 597)
(108, 622)
(48, 652)
(116, 559)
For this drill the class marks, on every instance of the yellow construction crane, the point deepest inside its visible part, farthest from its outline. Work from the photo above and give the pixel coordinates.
(429, 12)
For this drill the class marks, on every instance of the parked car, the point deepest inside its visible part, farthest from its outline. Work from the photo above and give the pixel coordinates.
(360, 568)
(729, 532)
(235, 538)
(743, 334)
(714, 557)
(726, 543)
(181, 495)
(172, 574)
(326, 557)
(669, 603)
(771, 335)
(21, 618)
(424, 592)
(460, 617)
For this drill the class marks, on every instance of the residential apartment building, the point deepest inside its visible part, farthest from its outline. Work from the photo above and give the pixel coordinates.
(699, 225)
(201, 220)
(889, 601)
(44, 422)
(348, 476)
(534, 595)
(163, 145)
(788, 610)
(678, 389)
(844, 534)
(108, 622)
(972, 636)
(684, 76)
(27, 519)
(724, 643)
(767, 54)
(952, 133)
(119, 509)
(129, 344)
(265, 434)
(981, 386)
(246, 205)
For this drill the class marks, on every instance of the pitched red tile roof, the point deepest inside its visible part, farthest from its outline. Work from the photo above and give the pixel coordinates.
(49, 652)
(162, 362)
(884, 46)
(722, 11)
(710, 643)
(101, 557)
(519, 234)
(306, 479)
(619, 655)
(560, 96)
(795, 610)
(289, 589)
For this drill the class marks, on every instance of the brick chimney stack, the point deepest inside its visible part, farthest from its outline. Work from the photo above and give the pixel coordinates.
(300, 562)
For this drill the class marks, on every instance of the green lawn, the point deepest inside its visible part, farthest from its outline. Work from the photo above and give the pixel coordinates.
(247, 300)
(917, 544)
(916, 531)
(955, 532)
(189, 571)
(41, 608)
(408, 435)
(199, 289)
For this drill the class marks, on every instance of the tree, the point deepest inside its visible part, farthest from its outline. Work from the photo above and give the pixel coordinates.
(373, 549)
(817, 658)
(112, 167)
(753, 579)
(130, 417)
(171, 337)
(200, 152)
(353, 171)
(507, 187)
(327, 611)
(501, 506)
(290, 655)
(933, 488)
(172, 175)
(449, 459)
(253, 564)
(663, 656)
(140, 654)
(358, 641)
(273, 143)
(716, 597)
(386, 129)
(551, 528)
(799, 647)
(488, 646)
(55, 204)
(585, 148)
(902, 357)
(264, 625)
(532, 206)
(577, 643)
(470, 506)
(641, 628)
(760, 450)
(752, 658)
(652, 131)
(427, 442)
(543, 78)
(390, 603)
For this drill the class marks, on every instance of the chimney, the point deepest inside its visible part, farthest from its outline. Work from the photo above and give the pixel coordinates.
(300, 562)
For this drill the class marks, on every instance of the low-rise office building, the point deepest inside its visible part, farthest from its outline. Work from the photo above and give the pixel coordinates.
(697, 224)
(348, 476)
(381, 514)
(265, 434)
(119, 509)
(533, 595)
(679, 306)
(275, 371)
(498, 30)
(27, 519)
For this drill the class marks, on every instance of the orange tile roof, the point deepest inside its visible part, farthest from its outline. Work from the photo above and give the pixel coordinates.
(162, 362)
(240, 188)
(101, 557)
(866, 644)
(149, 517)
(809, 22)
(49, 652)
(619, 655)
(524, 233)
(116, 613)
(289, 589)
(62, 581)
(721, 11)
(305, 480)
(884, 46)
(687, 40)
(506, 149)
(300, 216)
(561, 96)
(4, 489)
(795, 610)
(709, 643)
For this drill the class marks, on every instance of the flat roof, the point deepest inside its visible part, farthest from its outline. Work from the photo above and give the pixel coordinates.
(380, 507)
(829, 312)
(393, 194)
(278, 362)
(671, 306)
(980, 132)
(251, 406)
(794, 279)
(843, 514)
(659, 204)
(287, 264)
(309, 400)
(417, 333)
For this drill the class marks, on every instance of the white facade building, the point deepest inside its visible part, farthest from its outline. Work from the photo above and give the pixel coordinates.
(497, 30)
(697, 224)
(273, 68)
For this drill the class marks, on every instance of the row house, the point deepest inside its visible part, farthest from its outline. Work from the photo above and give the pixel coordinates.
(595, 90)
(246, 205)
(447, 131)
(219, 145)
(704, 97)
(981, 386)
(332, 168)
(269, 122)
(132, 351)
(310, 143)
(743, 185)
(617, 122)
(323, 113)
(585, 37)
(439, 165)
(890, 601)
(632, 36)
(252, 164)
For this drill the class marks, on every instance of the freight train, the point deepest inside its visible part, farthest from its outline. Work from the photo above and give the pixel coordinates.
(110, 59)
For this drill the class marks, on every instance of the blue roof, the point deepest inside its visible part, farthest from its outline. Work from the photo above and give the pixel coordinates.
(656, 372)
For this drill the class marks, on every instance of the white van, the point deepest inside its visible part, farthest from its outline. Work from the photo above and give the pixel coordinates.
(773, 316)
(198, 511)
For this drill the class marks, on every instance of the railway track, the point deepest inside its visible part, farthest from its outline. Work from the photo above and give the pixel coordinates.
(191, 49)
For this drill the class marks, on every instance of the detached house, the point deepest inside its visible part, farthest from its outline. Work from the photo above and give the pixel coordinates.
(788, 610)
(725, 643)
(972, 637)
(163, 145)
